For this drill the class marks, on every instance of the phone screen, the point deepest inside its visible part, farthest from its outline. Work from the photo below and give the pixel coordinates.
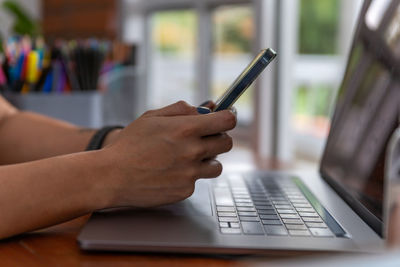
(245, 79)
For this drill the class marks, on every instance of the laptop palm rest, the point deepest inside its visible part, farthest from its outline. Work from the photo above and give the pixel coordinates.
(198, 204)
(177, 224)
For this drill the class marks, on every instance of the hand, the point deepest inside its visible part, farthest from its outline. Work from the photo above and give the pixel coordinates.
(158, 158)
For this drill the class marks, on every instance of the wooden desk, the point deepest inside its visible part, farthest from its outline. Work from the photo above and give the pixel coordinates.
(57, 246)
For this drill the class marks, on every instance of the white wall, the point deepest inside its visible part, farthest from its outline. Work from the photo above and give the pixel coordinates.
(33, 7)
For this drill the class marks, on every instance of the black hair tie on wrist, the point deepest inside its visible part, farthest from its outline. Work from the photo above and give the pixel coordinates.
(97, 140)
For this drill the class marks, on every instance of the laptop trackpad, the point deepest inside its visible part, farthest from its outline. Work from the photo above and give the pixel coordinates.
(198, 204)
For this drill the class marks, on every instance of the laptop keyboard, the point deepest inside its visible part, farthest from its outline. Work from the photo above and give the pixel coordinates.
(274, 207)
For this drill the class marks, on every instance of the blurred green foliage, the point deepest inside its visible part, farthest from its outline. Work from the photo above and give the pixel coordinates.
(174, 31)
(233, 29)
(313, 101)
(318, 26)
(24, 24)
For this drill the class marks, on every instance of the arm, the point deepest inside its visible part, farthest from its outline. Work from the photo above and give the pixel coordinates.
(155, 160)
(26, 136)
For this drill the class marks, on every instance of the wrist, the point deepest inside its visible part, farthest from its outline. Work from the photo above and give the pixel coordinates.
(101, 177)
(98, 139)
(111, 137)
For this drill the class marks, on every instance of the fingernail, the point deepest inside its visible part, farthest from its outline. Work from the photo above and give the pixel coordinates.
(234, 111)
(205, 103)
(203, 110)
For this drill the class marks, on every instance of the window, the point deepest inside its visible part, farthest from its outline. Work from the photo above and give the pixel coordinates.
(172, 57)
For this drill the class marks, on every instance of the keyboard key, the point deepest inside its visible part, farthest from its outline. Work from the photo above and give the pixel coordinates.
(305, 209)
(243, 200)
(312, 219)
(321, 232)
(293, 193)
(292, 221)
(228, 219)
(234, 225)
(247, 213)
(301, 205)
(241, 195)
(249, 219)
(262, 203)
(283, 206)
(223, 225)
(226, 214)
(264, 207)
(252, 228)
(226, 209)
(264, 198)
(289, 216)
(275, 230)
(257, 193)
(236, 192)
(255, 189)
(297, 197)
(299, 232)
(316, 224)
(296, 227)
(299, 201)
(237, 197)
(286, 211)
(271, 222)
(269, 217)
(278, 199)
(246, 209)
(223, 196)
(281, 202)
(231, 231)
(244, 204)
(308, 214)
(267, 212)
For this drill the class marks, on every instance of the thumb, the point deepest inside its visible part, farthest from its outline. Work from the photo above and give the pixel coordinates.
(176, 109)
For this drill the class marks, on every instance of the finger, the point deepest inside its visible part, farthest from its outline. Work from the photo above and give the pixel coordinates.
(211, 105)
(211, 124)
(234, 111)
(208, 104)
(204, 104)
(216, 144)
(210, 169)
(176, 109)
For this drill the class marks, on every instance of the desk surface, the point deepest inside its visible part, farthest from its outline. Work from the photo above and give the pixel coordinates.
(56, 246)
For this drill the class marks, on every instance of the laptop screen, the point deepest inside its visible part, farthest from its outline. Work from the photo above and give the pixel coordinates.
(366, 112)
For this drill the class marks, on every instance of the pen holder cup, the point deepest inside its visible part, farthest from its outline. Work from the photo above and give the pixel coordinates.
(87, 109)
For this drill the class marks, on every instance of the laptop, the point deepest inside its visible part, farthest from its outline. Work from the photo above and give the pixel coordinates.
(337, 209)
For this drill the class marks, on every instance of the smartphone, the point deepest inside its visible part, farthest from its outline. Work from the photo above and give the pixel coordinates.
(245, 79)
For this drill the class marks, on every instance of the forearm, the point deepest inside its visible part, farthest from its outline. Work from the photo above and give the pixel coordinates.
(41, 193)
(28, 136)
